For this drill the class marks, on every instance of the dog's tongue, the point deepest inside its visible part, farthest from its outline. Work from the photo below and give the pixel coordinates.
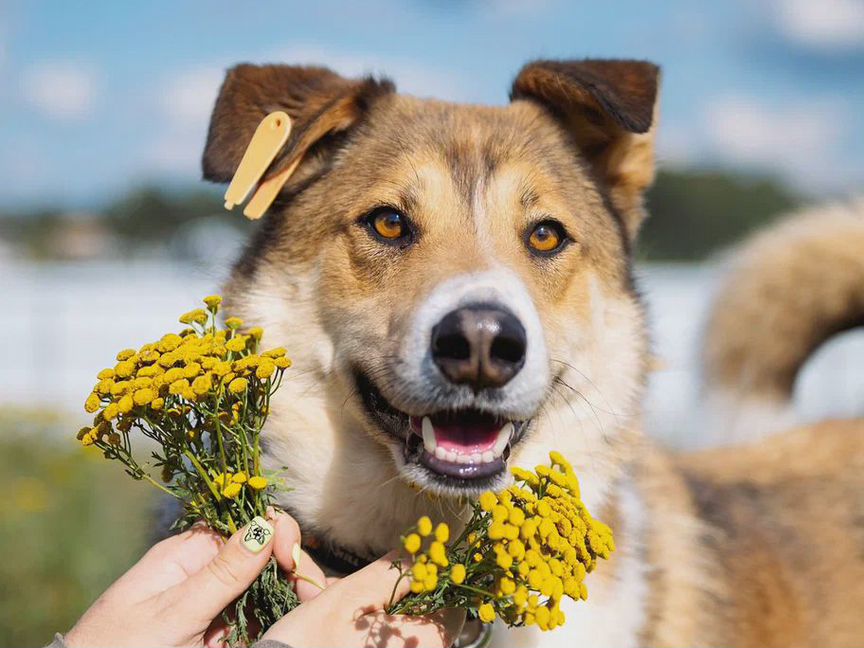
(465, 435)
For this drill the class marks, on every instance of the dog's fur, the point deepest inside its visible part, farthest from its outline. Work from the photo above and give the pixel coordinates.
(761, 545)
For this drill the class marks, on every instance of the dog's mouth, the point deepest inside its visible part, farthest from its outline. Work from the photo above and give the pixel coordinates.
(463, 448)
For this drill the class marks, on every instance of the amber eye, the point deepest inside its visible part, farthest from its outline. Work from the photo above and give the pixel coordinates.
(389, 226)
(546, 238)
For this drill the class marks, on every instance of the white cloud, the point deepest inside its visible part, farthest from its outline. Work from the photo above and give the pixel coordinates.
(822, 24)
(803, 140)
(60, 90)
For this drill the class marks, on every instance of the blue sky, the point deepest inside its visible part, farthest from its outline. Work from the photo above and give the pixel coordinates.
(98, 97)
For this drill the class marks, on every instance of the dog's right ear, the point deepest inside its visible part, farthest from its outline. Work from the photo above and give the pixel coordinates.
(319, 102)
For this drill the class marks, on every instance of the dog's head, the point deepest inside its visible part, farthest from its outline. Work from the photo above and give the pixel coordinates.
(453, 281)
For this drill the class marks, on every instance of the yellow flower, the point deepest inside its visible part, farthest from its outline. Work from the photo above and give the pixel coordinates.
(438, 554)
(197, 316)
(265, 369)
(232, 490)
(282, 363)
(238, 385)
(256, 333)
(486, 613)
(157, 404)
(124, 369)
(419, 571)
(221, 368)
(424, 526)
(178, 387)
(257, 482)
(457, 574)
(488, 501)
(143, 396)
(125, 404)
(125, 354)
(202, 384)
(430, 583)
(191, 370)
(412, 543)
(278, 352)
(213, 301)
(92, 403)
(110, 412)
(442, 532)
(233, 323)
(105, 373)
(236, 344)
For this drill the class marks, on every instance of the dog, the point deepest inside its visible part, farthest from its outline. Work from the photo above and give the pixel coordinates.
(455, 286)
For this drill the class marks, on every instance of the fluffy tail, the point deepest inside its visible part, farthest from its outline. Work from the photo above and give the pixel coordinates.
(791, 288)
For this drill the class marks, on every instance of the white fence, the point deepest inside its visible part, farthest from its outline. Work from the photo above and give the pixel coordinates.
(62, 323)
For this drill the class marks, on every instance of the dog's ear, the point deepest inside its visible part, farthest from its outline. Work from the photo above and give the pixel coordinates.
(609, 107)
(319, 102)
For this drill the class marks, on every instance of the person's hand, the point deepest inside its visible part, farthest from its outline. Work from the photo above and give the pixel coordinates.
(175, 595)
(350, 613)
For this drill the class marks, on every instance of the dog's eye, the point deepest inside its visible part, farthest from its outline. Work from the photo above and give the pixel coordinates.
(389, 225)
(546, 238)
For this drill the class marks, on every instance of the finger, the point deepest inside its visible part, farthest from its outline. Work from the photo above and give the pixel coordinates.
(375, 586)
(207, 592)
(171, 562)
(306, 577)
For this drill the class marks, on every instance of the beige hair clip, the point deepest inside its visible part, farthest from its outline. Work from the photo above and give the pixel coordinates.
(268, 140)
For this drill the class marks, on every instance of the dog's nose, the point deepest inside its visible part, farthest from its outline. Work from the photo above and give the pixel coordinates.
(480, 345)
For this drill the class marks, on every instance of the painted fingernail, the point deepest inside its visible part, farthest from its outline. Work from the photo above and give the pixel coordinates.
(258, 534)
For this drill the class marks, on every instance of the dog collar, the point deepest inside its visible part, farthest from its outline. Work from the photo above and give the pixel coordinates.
(333, 558)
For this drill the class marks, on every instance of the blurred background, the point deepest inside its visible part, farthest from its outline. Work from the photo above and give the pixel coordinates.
(107, 233)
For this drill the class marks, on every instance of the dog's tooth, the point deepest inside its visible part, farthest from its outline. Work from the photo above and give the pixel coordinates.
(488, 457)
(428, 435)
(476, 458)
(440, 453)
(450, 456)
(503, 439)
(463, 458)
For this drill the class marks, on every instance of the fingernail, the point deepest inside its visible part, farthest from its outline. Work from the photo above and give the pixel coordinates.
(258, 534)
(295, 555)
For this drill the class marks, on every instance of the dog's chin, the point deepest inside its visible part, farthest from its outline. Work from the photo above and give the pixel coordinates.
(462, 451)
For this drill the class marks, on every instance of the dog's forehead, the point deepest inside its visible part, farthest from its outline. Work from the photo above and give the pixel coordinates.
(423, 143)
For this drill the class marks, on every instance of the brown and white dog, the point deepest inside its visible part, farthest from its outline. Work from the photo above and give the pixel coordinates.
(454, 285)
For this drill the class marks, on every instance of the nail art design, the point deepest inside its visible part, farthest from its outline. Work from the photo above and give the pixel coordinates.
(258, 534)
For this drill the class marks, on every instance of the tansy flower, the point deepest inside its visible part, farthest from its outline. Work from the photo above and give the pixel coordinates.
(233, 323)
(257, 483)
(237, 344)
(412, 543)
(125, 354)
(457, 574)
(143, 396)
(232, 490)
(256, 333)
(437, 554)
(238, 385)
(442, 532)
(486, 613)
(124, 369)
(92, 403)
(197, 316)
(239, 478)
(213, 301)
(424, 526)
(105, 373)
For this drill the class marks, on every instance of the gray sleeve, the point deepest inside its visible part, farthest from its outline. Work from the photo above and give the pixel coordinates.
(268, 643)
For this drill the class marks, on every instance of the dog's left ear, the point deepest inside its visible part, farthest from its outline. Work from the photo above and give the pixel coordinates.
(609, 107)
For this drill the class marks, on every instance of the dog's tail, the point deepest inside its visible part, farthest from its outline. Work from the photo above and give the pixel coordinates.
(791, 288)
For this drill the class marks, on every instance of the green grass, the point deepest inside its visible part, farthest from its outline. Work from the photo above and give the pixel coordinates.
(71, 524)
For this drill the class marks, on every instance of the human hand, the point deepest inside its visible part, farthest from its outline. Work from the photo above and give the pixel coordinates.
(175, 595)
(350, 612)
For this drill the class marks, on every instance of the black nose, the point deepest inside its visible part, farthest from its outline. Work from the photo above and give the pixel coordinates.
(480, 345)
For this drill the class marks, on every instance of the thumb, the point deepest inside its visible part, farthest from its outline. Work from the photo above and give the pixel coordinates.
(230, 573)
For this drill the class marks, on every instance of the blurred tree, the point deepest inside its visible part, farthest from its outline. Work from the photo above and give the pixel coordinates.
(695, 213)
